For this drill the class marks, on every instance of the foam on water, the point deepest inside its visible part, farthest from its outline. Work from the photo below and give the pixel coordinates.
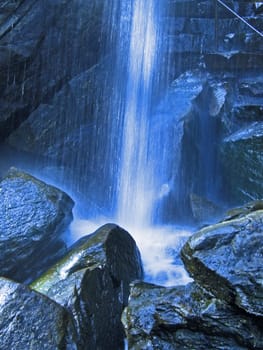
(159, 247)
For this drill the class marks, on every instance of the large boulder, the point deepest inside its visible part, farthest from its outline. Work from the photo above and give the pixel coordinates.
(33, 217)
(29, 320)
(242, 161)
(92, 282)
(197, 132)
(178, 108)
(226, 258)
(186, 317)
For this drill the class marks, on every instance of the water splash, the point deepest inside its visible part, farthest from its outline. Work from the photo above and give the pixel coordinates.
(146, 134)
(159, 247)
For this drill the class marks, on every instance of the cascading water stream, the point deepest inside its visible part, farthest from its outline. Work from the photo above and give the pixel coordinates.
(140, 156)
(136, 186)
(143, 162)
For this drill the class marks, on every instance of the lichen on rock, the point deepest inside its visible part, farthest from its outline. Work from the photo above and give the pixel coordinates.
(92, 282)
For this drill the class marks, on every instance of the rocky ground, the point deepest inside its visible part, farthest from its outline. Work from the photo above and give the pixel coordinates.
(78, 301)
(222, 308)
(92, 295)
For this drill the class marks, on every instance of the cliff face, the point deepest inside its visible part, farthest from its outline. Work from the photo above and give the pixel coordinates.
(56, 81)
(52, 85)
(222, 138)
(43, 45)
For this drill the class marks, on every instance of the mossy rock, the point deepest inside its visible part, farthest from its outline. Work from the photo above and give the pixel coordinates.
(92, 282)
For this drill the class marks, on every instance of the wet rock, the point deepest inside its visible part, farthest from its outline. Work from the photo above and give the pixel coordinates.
(216, 35)
(242, 162)
(186, 317)
(232, 61)
(67, 131)
(21, 34)
(92, 281)
(197, 156)
(223, 26)
(69, 125)
(248, 113)
(21, 31)
(7, 8)
(244, 210)
(203, 210)
(217, 98)
(246, 104)
(252, 87)
(226, 258)
(29, 320)
(258, 7)
(33, 218)
(34, 37)
(185, 42)
(178, 109)
(230, 43)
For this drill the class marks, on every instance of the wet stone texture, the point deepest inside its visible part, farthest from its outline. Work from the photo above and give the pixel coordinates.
(227, 258)
(33, 217)
(222, 308)
(34, 36)
(186, 317)
(92, 282)
(29, 320)
(242, 159)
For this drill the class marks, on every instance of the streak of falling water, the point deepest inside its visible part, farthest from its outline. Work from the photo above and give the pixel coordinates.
(141, 139)
(136, 186)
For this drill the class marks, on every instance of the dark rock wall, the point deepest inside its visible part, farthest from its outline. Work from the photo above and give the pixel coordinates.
(43, 45)
(221, 158)
(56, 81)
(56, 76)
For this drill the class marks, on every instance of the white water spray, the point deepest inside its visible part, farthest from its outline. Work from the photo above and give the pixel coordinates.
(136, 186)
(144, 148)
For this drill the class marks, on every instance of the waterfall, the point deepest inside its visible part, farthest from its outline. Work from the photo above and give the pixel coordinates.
(127, 105)
(142, 134)
(137, 181)
(147, 135)
(136, 184)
